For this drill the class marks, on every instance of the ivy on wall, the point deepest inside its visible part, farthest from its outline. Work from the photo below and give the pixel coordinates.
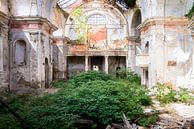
(190, 14)
(81, 24)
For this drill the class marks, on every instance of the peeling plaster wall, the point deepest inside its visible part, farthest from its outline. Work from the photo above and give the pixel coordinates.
(171, 8)
(60, 59)
(4, 6)
(41, 8)
(4, 48)
(4, 58)
(110, 35)
(163, 66)
(115, 62)
(164, 39)
(33, 73)
(75, 65)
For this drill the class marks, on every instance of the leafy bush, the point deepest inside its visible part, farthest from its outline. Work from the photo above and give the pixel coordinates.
(128, 75)
(7, 121)
(51, 117)
(166, 94)
(184, 96)
(146, 121)
(89, 76)
(95, 96)
(58, 84)
(104, 101)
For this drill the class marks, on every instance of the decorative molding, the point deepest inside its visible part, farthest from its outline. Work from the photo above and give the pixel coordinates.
(167, 22)
(33, 22)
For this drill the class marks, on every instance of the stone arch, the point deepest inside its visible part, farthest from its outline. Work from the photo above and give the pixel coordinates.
(105, 10)
(136, 21)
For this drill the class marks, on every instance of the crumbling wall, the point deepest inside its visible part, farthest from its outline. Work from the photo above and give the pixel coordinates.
(75, 65)
(115, 63)
(38, 49)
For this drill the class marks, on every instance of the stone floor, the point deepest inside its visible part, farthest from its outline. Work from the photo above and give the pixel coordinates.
(174, 116)
(183, 110)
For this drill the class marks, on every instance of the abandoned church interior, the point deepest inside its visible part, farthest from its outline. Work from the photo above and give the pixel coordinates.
(46, 40)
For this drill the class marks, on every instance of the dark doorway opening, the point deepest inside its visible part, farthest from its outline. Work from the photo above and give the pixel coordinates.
(46, 73)
(146, 77)
(97, 63)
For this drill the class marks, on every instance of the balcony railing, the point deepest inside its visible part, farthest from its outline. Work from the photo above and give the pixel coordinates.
(142, 60)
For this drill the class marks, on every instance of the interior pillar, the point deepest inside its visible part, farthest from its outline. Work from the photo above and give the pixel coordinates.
(106, 64)
(1, 54)
(86, 64)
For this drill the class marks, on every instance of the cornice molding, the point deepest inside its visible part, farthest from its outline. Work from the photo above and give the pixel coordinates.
(34, 20)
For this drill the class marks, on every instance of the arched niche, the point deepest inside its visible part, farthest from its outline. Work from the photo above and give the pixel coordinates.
(136, 21)
(20, 52)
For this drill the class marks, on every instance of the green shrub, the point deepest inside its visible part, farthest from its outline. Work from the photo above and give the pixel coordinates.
(52, 117)
(105, 101)
(58, 84)
(93, 95)
(184, 96)
(165, 94)
(147, 121)
(82, 78)
(8, 121)
(128, 75)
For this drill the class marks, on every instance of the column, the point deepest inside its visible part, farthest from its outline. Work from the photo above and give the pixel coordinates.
(1, 53)
(106, 64)
(127, 62)
(86, 64)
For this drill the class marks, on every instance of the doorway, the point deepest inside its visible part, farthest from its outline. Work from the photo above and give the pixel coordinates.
(145, 77)
(46, 73)
(97, 63)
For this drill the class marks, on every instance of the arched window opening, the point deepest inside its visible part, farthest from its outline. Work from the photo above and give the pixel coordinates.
(147, 47)
(20, 52)
(135, 23)
(97, 19)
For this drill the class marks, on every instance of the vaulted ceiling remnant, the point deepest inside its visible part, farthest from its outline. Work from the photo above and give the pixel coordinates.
(69, 5)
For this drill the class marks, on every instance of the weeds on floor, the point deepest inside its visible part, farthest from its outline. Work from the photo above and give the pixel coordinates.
(165, 93)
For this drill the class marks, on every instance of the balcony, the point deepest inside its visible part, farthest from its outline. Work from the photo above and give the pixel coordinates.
(142, 60)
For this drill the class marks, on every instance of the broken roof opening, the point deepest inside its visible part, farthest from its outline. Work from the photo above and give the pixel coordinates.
(69, 5)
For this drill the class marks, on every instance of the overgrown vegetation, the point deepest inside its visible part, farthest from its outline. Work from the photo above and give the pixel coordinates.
(80, 21)
(128, 75)
(94, 96)
(190, 14)
(166, 94)
(146, 121)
